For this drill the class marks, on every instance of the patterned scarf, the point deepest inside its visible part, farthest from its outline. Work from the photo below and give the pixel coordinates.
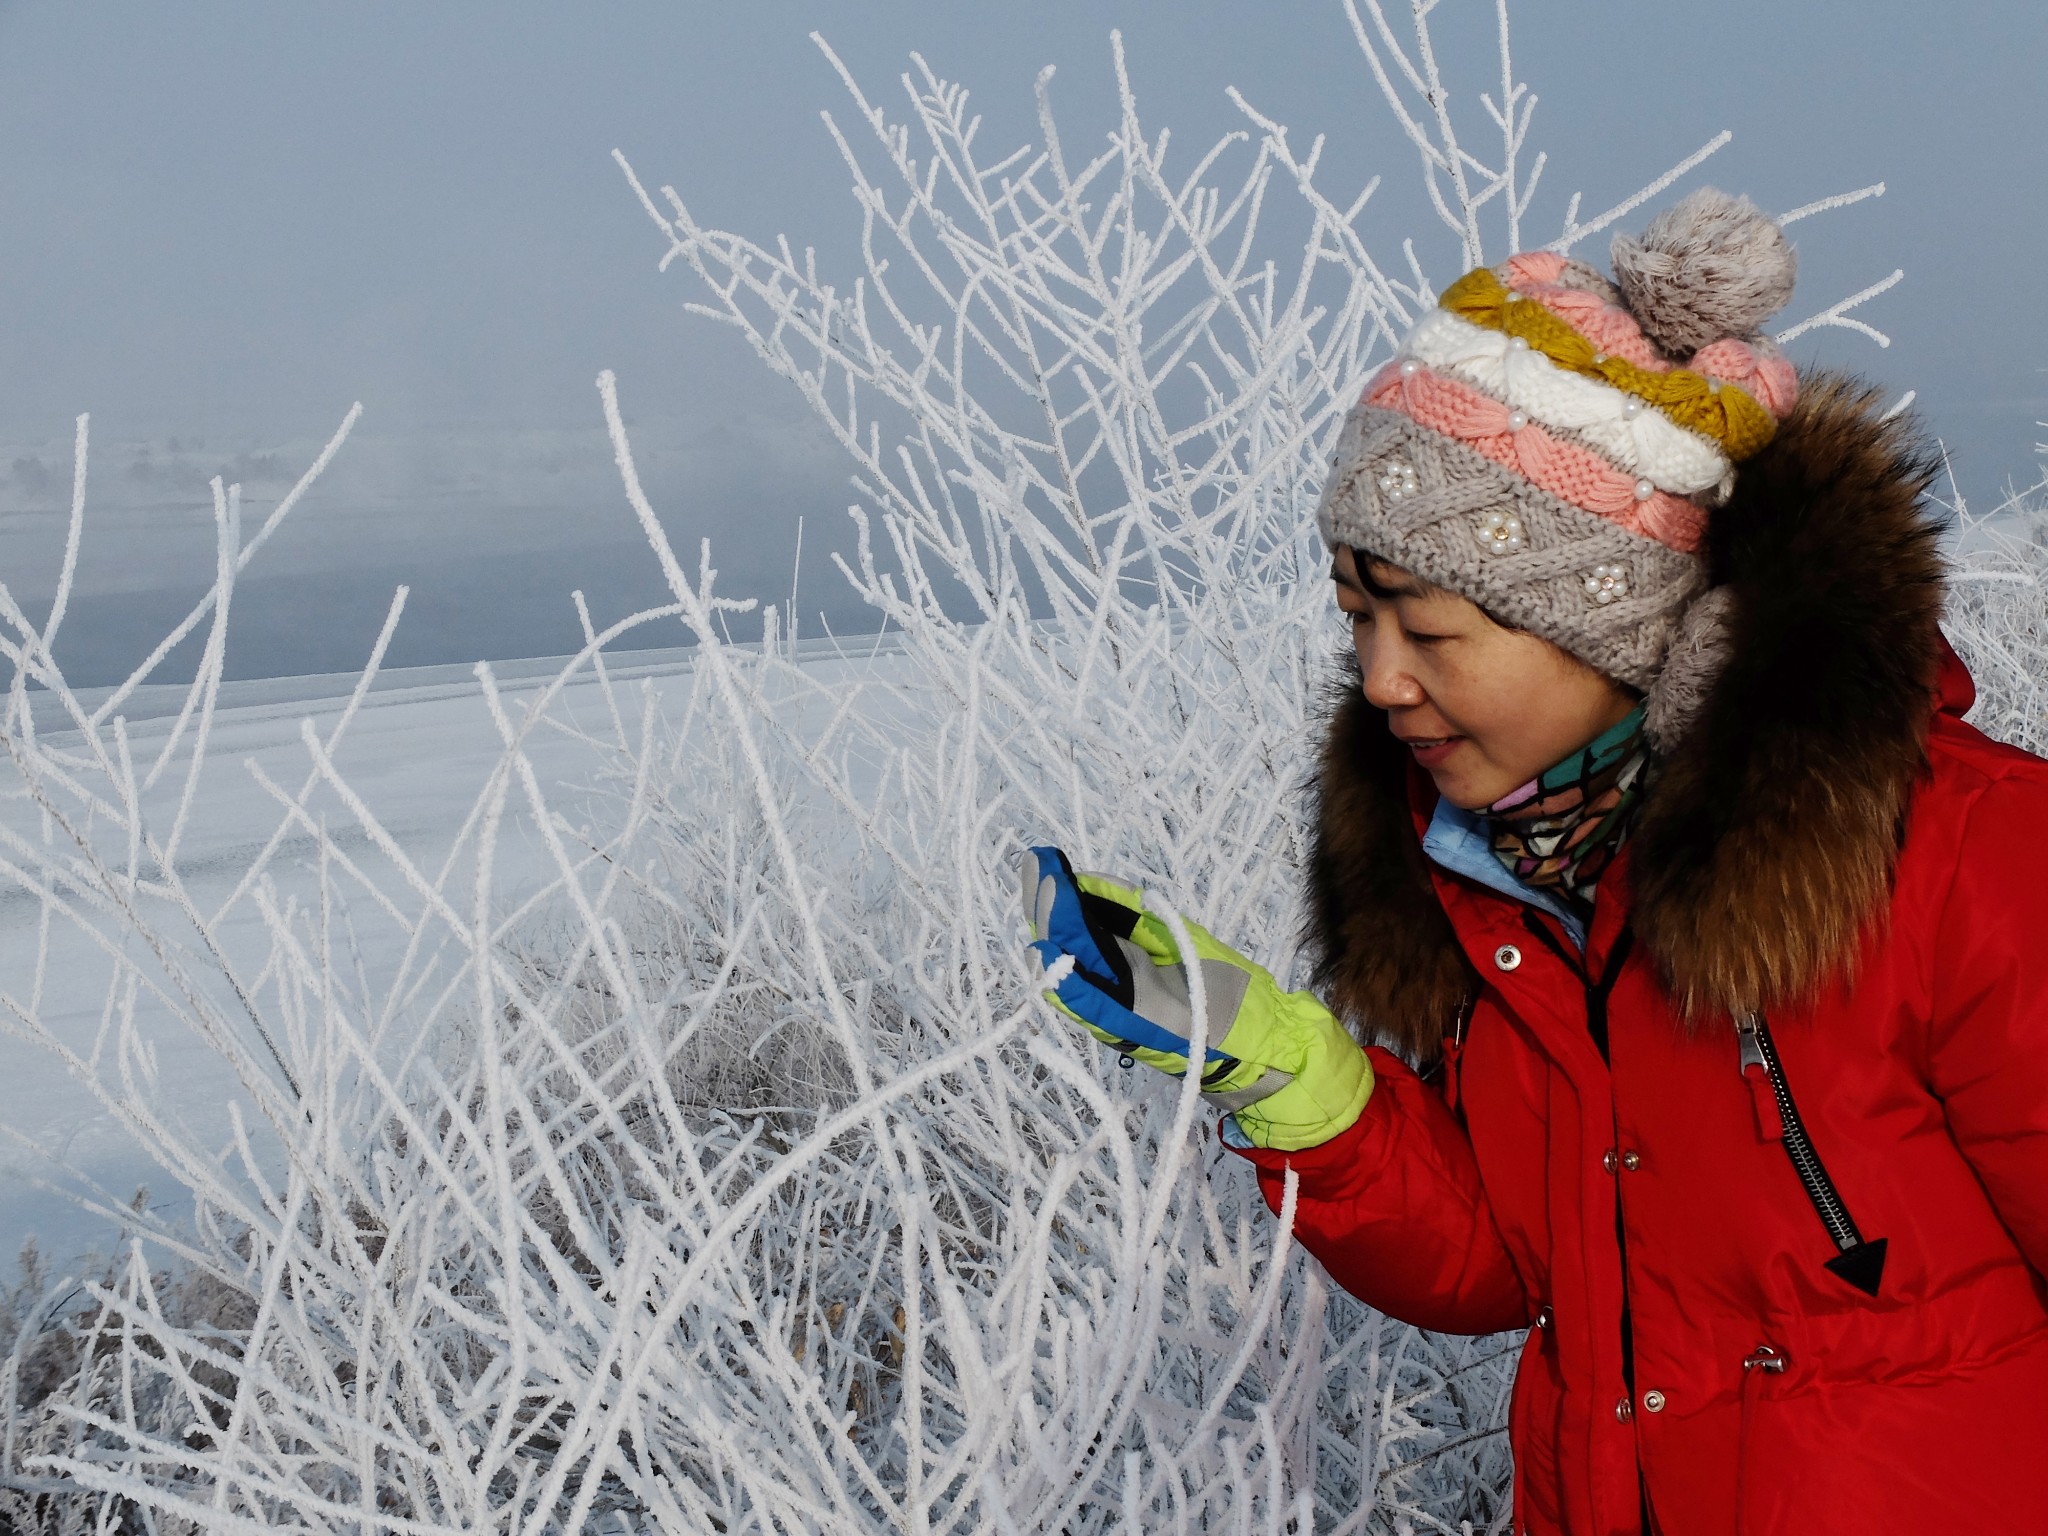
(1562, 829)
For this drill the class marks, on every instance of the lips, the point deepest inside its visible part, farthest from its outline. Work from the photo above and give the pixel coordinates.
(1430, 751)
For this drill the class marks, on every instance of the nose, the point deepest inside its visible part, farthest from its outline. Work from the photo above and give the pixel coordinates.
(1388, 683)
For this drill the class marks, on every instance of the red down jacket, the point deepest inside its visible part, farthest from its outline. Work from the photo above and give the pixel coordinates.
(1833, 845)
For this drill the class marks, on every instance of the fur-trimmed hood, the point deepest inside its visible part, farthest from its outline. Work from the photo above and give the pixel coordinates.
(1766, 843)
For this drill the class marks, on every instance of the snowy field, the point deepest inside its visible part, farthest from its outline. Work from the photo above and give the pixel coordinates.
(420, 750)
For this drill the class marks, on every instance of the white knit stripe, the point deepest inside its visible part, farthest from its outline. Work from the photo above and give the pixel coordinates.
(1649, 443)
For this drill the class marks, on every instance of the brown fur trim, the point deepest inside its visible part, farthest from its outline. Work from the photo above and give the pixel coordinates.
(1386, 958)
(1766, 843)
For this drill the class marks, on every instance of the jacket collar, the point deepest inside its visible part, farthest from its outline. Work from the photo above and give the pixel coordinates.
(1456, 840)
(1764, 850)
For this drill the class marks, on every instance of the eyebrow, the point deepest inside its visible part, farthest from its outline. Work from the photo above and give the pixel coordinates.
(1369, 585)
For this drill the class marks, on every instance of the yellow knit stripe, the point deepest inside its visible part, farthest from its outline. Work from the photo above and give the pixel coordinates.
(1727, 413)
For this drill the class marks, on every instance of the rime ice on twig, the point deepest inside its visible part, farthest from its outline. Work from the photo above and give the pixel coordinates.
(1997, 613)
(1825, 204)
(1838, 313)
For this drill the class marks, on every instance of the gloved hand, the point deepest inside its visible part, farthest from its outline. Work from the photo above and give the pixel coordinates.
(1279, 1062)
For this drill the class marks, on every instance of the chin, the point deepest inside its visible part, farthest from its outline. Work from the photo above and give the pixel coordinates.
(1465, 790)
(1463, 798)
(1462, 774)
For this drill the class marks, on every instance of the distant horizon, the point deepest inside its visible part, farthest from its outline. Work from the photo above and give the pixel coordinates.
(429, 221)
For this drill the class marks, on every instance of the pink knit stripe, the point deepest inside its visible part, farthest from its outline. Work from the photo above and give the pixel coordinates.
(1568, 470)
(1531, 269)
(1769, 378)
(1674, 522)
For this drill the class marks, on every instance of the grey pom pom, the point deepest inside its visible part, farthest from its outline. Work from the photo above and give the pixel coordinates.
(1709, 266)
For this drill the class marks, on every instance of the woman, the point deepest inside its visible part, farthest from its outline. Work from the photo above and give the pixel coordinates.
(1702, 946)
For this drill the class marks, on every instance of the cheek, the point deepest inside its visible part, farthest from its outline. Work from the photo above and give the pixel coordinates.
(1501, 693)
(1476, 706)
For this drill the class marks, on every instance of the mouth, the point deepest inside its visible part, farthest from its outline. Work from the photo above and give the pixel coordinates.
(1431, 750)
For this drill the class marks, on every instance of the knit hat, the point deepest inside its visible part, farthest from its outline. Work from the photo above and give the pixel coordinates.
(1550, 444)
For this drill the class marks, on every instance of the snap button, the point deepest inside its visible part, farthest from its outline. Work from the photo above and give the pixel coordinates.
(1610, 1160)
(1543, 1317)
(1507, 957)
(1624, 1411)
(1653, 1401)
(1631, 1161)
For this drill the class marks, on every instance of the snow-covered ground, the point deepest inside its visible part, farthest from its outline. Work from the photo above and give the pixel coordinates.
(420, 750)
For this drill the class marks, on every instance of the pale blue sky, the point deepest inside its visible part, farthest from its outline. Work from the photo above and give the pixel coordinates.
(221, 221)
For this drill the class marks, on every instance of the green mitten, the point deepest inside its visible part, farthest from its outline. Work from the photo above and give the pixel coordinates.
(1280, 1064)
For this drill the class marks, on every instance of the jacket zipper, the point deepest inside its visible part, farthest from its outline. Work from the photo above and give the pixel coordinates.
(1859, 1262)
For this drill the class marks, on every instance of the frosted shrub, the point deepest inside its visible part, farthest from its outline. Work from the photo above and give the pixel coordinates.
(1997, 615)
(731, 1176)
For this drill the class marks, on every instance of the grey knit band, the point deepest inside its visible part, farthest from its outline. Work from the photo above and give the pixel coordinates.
(1434, 506)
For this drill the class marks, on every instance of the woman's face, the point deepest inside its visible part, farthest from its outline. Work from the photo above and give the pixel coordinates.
(1483, 709)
